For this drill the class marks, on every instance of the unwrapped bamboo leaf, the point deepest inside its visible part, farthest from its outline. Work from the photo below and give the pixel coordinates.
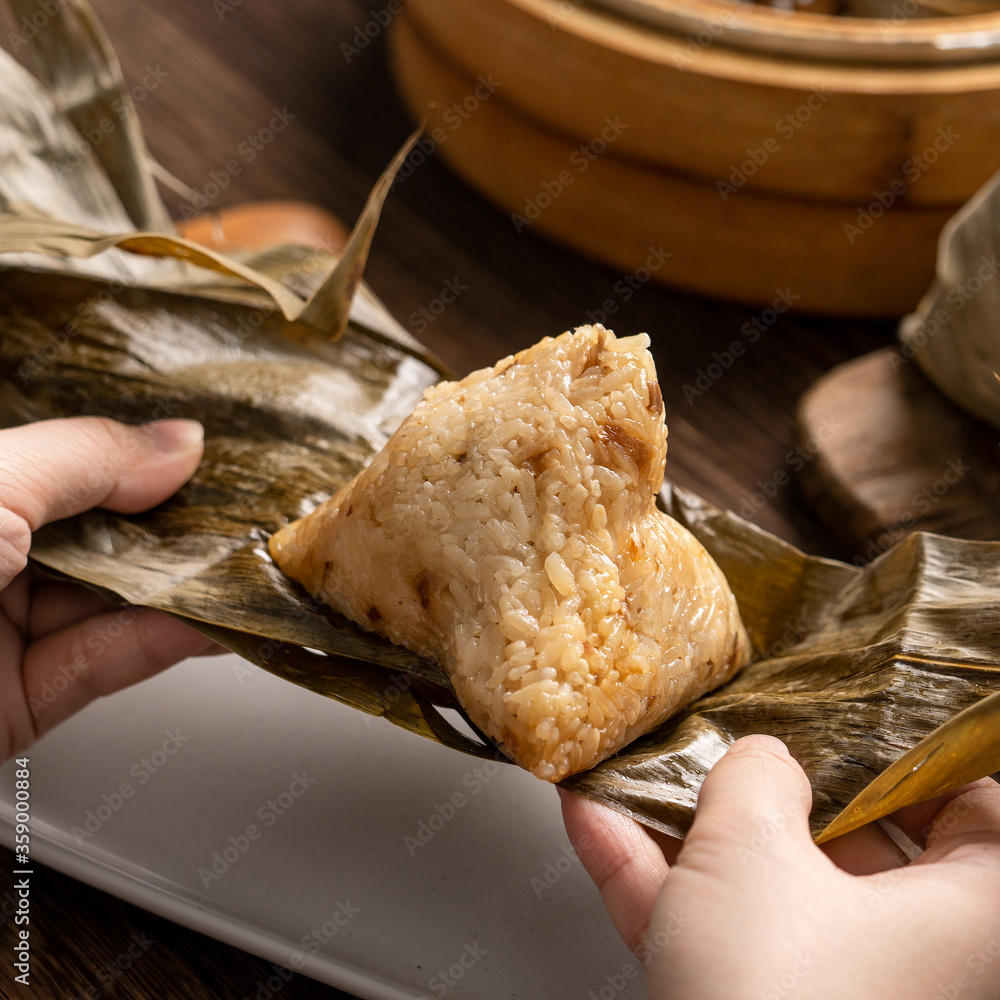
(963, 750)
(86, 89)
(41, 162)
(854, 666)
(41, 235)
(326, 311)
(74, 59)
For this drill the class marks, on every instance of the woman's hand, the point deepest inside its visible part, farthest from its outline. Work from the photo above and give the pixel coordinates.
(61, 645)
(751, 908)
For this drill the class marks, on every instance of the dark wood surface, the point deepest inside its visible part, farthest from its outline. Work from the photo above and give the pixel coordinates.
(905, 459)
(223, 69)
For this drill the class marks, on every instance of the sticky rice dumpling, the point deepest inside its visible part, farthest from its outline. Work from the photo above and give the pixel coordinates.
(508, 532)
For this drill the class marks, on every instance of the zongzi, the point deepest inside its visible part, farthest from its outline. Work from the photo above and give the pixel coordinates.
(508, 531)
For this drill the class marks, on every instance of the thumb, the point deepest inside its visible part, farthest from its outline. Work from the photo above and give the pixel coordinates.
(55, 468)
(753, 807)
(741, 871)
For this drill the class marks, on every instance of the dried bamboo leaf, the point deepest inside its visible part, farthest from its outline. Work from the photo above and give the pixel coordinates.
(866, 664)
(41, 163)
(74, 59)
(955, 332)
(854, 666)
(86, 90)
(41, 235)
(964, 749)
(325, 310)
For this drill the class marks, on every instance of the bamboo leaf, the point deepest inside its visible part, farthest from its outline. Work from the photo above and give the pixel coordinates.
(964, 749)
(325, 311)
(74, 59)
(38, 234)
(853, 667)
(42, 165)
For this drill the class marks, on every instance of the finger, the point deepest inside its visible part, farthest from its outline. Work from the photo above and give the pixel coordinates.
(67, 669)
(916, 820)
(753, 804)
(865, 851)
(55, 605)
(622, 859)
(969, 819)
(55, 468)
(15, 597)
(669, 846)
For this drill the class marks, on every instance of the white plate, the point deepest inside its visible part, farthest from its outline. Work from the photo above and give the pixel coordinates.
(488, 878)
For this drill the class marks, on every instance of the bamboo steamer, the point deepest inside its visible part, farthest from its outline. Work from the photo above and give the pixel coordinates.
(830, 173)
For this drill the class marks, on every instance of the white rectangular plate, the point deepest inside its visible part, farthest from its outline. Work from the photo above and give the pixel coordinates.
(310, 834)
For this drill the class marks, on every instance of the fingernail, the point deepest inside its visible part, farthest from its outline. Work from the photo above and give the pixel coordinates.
(177, 435)
(762, 742)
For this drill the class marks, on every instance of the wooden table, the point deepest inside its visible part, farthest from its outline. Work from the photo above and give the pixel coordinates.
(221, 71)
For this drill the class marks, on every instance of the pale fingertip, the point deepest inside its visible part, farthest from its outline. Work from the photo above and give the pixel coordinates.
(760, 741)
(176, 435)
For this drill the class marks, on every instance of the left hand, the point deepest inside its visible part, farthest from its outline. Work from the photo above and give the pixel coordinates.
(62, 645)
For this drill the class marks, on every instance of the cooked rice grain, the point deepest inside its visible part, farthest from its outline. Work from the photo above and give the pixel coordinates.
(508, 531)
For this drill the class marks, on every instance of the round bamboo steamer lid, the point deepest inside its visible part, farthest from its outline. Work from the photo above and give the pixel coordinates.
(707, 163)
